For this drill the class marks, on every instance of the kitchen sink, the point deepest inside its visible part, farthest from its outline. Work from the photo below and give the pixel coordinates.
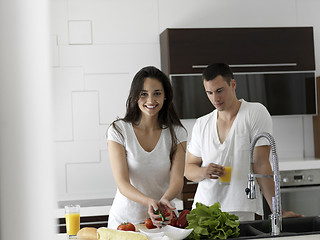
(290, 227)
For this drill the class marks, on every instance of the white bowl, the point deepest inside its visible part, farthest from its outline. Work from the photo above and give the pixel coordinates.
(173, 233)
(176, 233)
(153, 233)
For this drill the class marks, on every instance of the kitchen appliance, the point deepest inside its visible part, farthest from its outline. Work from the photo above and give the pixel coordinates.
(300, 192)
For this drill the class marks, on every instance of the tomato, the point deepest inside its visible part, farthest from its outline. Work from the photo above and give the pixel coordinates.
(126, 227)
(149, 224)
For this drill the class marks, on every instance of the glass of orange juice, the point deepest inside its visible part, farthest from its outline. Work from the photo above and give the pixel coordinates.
(225, 179)
(72, 214)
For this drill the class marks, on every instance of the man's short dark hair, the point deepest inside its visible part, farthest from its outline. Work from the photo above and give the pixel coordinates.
(216, 69)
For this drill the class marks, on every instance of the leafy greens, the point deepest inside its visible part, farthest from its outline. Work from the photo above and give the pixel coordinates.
(211, 223)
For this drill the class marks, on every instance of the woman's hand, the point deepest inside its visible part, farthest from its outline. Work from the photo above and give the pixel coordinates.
(166, 209)
(160, 212)
(152, 210)
(165, 204)
(213, 171)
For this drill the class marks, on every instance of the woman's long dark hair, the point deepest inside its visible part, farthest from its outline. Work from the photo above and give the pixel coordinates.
(167, 117)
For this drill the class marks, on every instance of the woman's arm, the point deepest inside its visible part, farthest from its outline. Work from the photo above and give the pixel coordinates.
(120, 171)
(176, 175)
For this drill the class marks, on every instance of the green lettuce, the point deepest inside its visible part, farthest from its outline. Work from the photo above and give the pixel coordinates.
(211, 223)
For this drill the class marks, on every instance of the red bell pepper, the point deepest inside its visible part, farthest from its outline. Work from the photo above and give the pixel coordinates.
(182, 220)
(174, 220)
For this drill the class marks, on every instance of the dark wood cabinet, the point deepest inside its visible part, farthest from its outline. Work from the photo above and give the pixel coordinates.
(187, 194)
(316, 124)
(185, 51)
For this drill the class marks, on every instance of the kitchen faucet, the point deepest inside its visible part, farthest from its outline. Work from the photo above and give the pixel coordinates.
(276, 216)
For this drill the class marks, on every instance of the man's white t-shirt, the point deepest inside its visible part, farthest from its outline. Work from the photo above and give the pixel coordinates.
(252, 118)
(149, 172)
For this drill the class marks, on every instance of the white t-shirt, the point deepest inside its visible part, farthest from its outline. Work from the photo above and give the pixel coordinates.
(149, 172)
(252, 118)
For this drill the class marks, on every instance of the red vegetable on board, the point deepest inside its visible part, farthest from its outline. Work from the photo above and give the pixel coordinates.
(149, 224)
(126, 227)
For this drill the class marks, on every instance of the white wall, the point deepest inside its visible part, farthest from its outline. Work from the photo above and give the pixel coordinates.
(98, 46)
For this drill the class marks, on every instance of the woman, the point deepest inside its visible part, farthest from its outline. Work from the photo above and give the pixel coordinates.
(146, 151)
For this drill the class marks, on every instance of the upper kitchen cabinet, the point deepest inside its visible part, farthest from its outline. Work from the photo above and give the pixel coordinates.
(185, 51)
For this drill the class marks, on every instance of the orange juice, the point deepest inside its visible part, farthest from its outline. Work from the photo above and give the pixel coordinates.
(227, 177)
(72, 223)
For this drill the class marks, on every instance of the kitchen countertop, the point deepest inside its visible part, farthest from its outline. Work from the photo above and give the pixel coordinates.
(301, 237)
(96, 207)
(299, 164)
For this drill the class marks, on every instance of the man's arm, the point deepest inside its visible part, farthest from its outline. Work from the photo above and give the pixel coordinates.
(261, 165)
(194, 172)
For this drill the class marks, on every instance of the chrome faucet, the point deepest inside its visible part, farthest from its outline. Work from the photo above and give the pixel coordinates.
(276, 216)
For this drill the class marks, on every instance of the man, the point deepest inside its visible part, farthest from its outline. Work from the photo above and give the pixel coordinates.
(225, 135)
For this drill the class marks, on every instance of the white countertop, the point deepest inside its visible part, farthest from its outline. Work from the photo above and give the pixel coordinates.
(299, 164)
(104, 210)
(87, 211)
(301, 237)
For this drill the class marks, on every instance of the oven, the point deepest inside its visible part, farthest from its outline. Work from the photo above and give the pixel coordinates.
(300, 191)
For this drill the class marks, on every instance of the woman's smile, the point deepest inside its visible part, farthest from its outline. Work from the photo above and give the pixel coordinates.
(151, 106)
